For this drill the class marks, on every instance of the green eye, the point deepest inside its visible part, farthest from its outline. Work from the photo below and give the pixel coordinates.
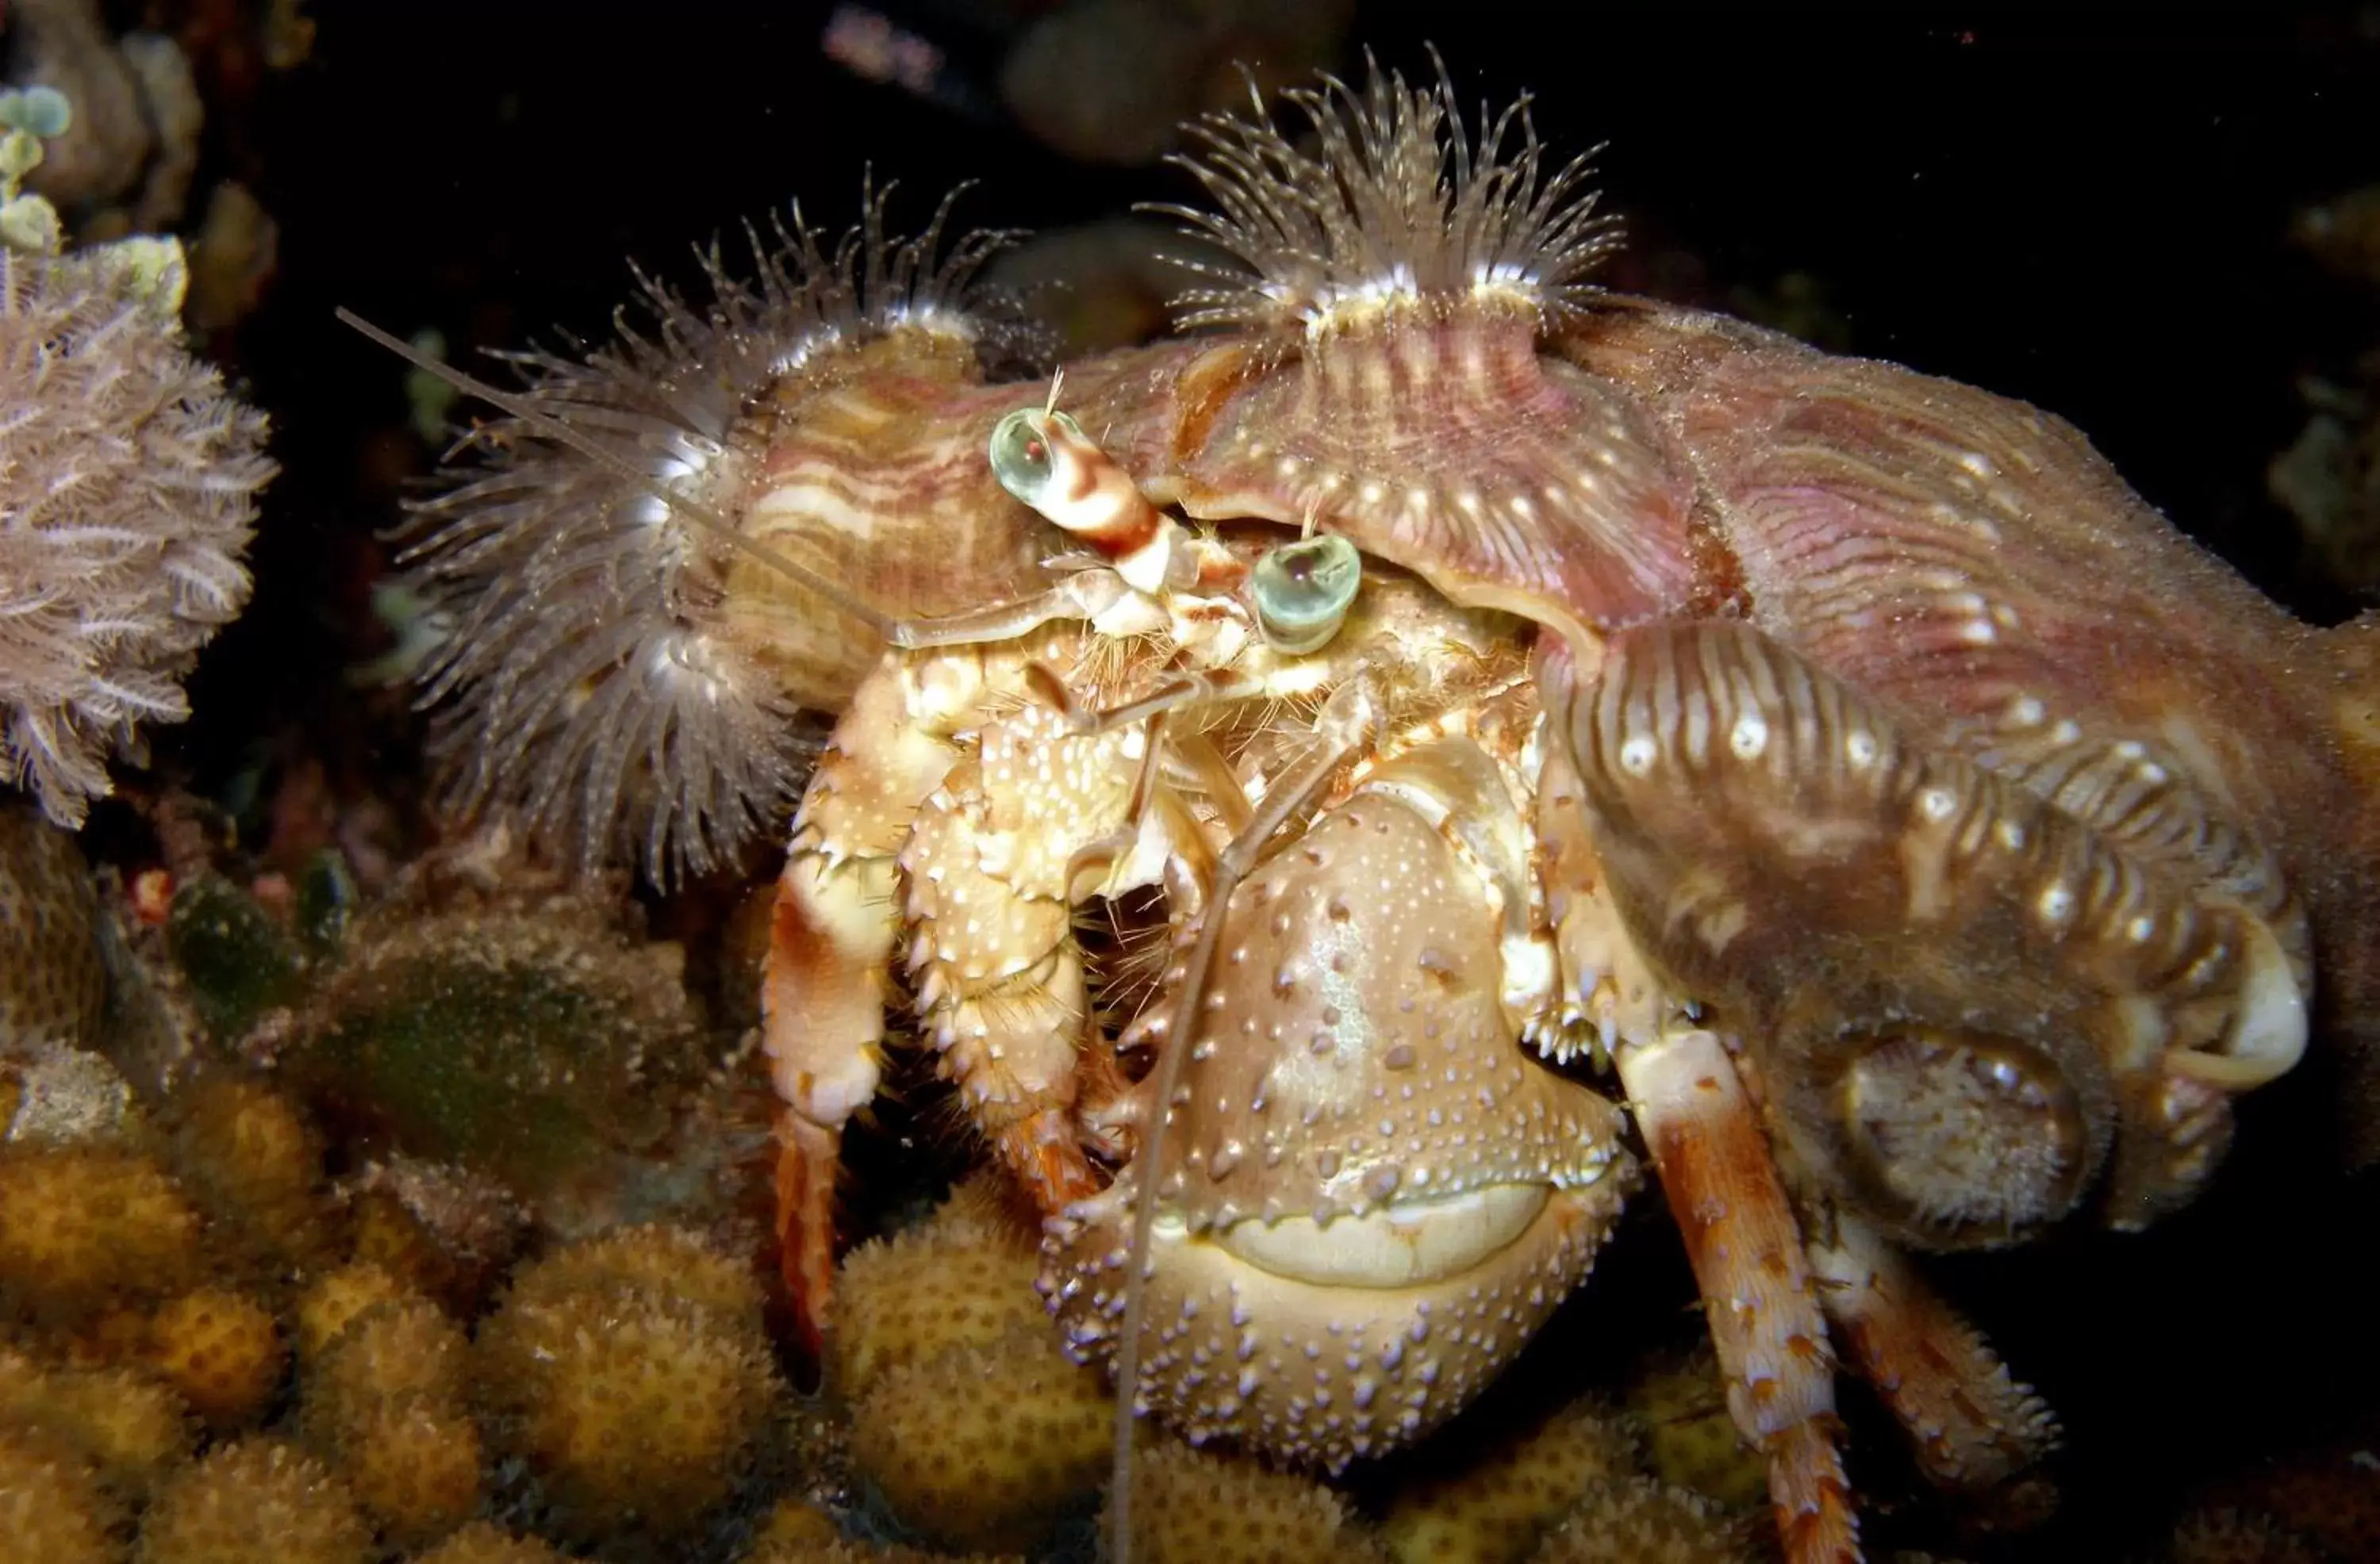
(1303, 591)
(1021, 458)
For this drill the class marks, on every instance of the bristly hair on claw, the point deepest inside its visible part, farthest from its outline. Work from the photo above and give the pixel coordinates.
(1397, 204)
(590, 678)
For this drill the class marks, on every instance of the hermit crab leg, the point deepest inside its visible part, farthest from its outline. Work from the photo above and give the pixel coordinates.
(1340, 729)
(1973, 1426)
(1720, 1180)
(824, 988)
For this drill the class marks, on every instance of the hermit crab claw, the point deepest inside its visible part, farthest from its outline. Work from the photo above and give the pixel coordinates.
(1373, 1196)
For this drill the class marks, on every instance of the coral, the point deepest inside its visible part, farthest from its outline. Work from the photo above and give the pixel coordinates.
(51, 1508)
(55, 1094)
(959, 1281)
(254, 1499)
(632, 1403)
(221, 1351)
(130, 1428)
(805, 1551)
(1640, 1521)
(982, 1446)
(127, 496)
(52, 981)
(791, 1528)
(1691, 1442)
(386, 1405)
(82, 1228)
(414, 1464)
(455, 1262)
(253, 1164)
(483, 1543)
(404, 1346)
(339, 1296)
(1494, 1507)
(537, 1044)
(1193, 1507)
(650, 1259)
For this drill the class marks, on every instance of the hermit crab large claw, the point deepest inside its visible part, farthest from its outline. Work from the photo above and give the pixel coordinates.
(1371, 1194)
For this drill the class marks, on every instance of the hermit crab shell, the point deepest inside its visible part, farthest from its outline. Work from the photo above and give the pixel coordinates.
(1965, 562)
(1414, 363)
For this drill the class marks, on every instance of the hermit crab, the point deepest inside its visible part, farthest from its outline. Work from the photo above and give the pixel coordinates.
(1468, 672)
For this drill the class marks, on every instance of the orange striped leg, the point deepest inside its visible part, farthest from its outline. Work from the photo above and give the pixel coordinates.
(1976, 1429)
(1723, 1188)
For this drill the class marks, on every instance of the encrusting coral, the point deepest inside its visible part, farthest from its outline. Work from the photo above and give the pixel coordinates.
(252, 1500)
(221, 1350)
(386, 1405)
(130, 1428)
(961, 1279)
(52, 984)
(967, 1419)
(484, 1542)
(1493, 1508)
(633, 1376)
(1191, 1507)
(985, 1447)
(51, 1508)
(1643, 1520)
(83, 1229)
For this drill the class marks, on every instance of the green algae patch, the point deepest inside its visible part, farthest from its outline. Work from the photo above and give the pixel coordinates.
(531, 1045)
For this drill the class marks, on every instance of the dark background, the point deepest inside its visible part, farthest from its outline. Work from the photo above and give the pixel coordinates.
(2087, 208)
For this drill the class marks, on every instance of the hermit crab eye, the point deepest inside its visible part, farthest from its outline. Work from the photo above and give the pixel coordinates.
(1024, 451)
(1303, 591)
(1021, 457)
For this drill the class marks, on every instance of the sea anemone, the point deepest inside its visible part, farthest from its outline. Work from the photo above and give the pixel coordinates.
(127, 494)
(1397, 203)
(595, 675)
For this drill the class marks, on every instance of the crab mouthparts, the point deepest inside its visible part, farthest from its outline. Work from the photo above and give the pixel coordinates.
(1408, 1243)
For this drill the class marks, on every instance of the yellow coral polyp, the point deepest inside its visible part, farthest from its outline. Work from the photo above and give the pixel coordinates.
(483, 1541)
(1190, 1507)
(252, 1160)
(963, 1280)
(252, 1500)
(385, 1404)
(338, 1297)
(631, 1401)
(84, 1228)
(982, 1446)
(129, 1426)
(404, 1346)
(660, 1260)
(1495, 1507)
(1643, 1521)
(221, 1350)
(52, 1510)
(414, 1464)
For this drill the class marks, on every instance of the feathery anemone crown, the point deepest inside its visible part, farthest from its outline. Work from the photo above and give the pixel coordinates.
(128, 478)
(1397, 205)
(587, 679)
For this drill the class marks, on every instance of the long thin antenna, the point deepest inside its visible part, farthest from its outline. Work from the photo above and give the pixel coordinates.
(560, 433)
(1338, 733)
